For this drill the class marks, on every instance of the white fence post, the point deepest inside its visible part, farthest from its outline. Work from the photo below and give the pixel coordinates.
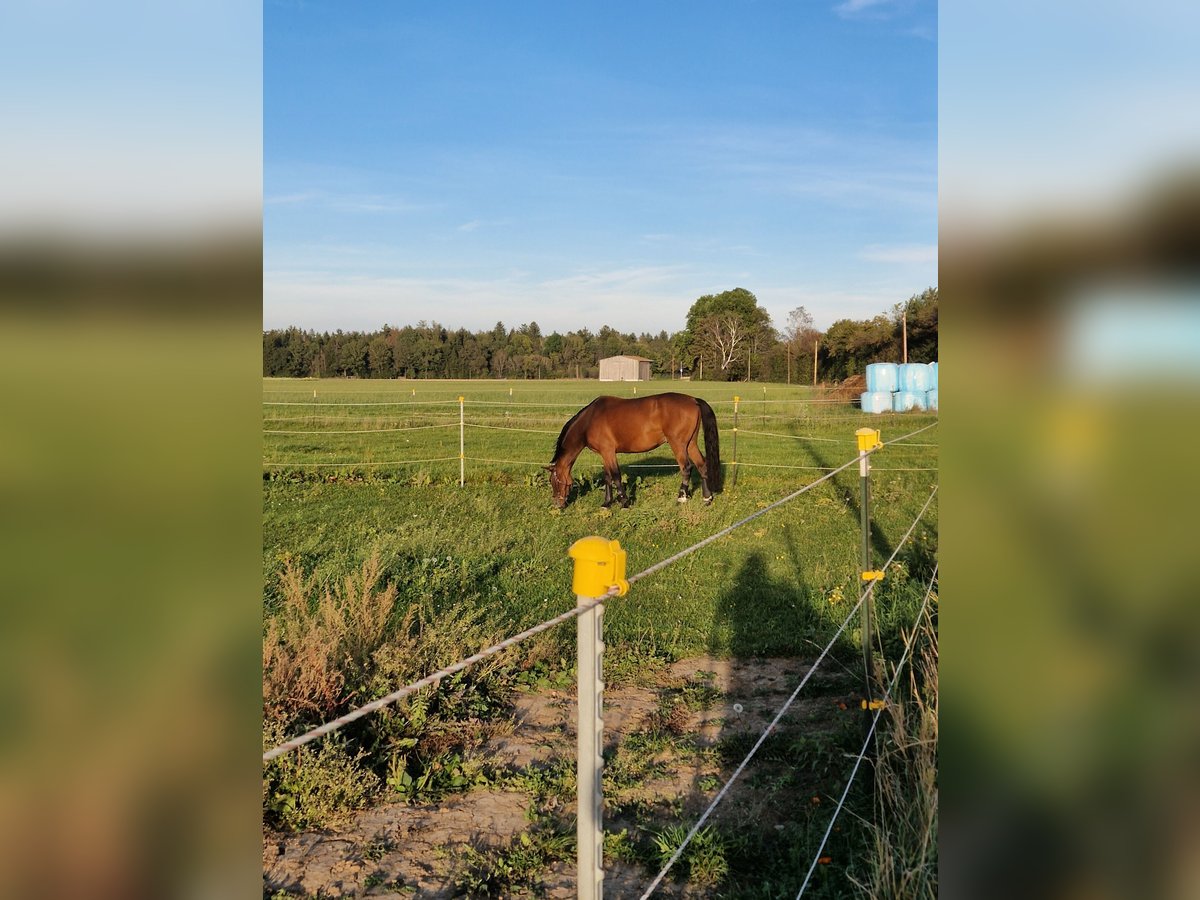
(590, 760)
(599, 567)
(462, 460)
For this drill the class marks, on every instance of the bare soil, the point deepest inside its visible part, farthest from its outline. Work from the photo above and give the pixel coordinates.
(405, 850)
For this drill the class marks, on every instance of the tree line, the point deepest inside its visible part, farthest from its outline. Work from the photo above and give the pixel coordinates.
(727, 337)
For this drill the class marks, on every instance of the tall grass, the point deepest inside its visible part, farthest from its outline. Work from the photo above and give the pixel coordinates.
(316, 652)
(902, 840)
(330, 647)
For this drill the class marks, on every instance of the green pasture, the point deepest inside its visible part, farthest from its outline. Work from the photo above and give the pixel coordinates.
(344, 478)
(347, 478)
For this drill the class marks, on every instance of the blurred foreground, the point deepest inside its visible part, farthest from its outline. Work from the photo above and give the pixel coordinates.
(1070, 660)
(131, 539)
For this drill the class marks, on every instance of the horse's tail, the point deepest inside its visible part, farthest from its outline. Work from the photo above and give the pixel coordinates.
(712, 445)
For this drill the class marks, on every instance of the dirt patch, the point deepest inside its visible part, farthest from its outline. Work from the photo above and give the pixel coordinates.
(700, 713)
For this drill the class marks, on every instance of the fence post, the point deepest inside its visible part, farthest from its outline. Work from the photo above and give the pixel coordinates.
(733, 463)
(868, 440)
(599, 567)
(462, 463)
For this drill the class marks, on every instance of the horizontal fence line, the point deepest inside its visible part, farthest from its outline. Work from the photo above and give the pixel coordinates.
(870, 732)
(366, 430)
(802, 437)
(336, 403)
(746, 465)
(795, 437)
(905, 437)
(507, 428)
(524, 403)
(344, 465)
(514, 462)
(520, 462)
(573, 404)
(783, 709)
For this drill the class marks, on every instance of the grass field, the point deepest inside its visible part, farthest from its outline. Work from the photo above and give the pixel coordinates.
(362, 470)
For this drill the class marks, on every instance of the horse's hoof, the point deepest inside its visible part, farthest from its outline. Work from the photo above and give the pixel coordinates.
(681, 499)
(625, 504)
(708, 501)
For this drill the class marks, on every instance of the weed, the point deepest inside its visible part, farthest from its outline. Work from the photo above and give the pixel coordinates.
(315, 787)
(312, 649)
(328, 648)
(375, 849)
(435, 777)
(550, 785)
(704, 858)
(374, 880)
(520, 863)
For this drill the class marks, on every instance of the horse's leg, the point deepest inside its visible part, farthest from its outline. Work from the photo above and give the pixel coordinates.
(612, 472)
(685, 471)
(701, 464)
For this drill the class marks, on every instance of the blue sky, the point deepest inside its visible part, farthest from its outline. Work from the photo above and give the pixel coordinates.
(591, 164)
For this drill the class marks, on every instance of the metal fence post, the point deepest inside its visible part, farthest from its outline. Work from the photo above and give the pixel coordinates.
(868, 440)
(599, 567)
(462, 461)
(733, 463)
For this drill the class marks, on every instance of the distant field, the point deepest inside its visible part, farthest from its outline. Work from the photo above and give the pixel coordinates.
(344, 476)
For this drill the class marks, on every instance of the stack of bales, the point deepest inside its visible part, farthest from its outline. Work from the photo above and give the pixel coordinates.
(893, 387)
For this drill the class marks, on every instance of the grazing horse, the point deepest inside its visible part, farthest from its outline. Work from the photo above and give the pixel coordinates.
(611, 425)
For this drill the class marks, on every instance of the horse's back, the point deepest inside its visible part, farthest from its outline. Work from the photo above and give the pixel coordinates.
(639, 424)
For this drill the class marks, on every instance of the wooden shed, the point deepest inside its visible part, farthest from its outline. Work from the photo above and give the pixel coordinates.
(625, 368)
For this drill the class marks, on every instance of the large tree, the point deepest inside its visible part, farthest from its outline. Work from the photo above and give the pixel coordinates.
(722, 328)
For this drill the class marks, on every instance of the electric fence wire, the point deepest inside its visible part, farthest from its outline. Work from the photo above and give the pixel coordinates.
(870, 732)
(783, 709)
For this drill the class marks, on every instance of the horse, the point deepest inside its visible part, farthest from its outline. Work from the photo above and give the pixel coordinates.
(612, 425)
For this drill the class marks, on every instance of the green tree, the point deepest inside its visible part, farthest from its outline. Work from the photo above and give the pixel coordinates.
(800, 337)
(920, 314)
(723, 328)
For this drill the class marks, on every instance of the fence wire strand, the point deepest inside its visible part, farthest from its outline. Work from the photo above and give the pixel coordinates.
(783, 709)
(870, 733)
(369, 430)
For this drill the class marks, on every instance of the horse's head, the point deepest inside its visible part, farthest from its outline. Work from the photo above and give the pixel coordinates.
(560, 482)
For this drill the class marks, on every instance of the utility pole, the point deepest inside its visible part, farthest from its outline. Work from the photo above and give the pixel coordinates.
(904, 331)
(815, 344)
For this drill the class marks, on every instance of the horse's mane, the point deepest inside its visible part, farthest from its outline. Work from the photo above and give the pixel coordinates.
(558, 447)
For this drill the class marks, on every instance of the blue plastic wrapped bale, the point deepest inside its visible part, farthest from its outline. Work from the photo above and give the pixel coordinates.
(882, 377)
(876, 401)
(903, 401)
(914, 377)
(931, 400)
(933, 376)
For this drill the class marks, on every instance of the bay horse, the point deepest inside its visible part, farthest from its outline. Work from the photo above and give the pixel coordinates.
(612, 425)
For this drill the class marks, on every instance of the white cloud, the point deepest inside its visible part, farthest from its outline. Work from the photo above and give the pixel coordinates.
(650, 298)
(901, 253)
(855, 8)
